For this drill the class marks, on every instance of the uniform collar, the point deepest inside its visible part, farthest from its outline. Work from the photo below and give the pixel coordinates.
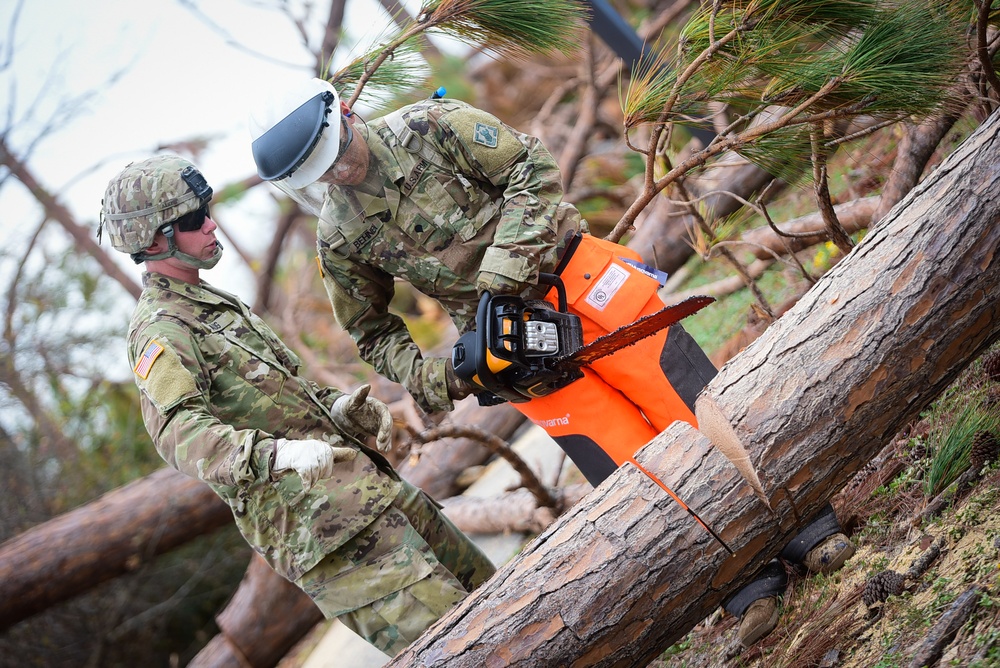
(199, 292)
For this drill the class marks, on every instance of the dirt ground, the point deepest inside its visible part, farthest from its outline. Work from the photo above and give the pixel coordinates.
(947, 612)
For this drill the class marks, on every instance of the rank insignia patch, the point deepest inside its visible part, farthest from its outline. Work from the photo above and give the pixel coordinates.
(487, 135)
(149, 356)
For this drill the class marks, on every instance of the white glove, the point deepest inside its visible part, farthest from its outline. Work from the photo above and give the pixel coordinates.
(358, 413)
(313, 460)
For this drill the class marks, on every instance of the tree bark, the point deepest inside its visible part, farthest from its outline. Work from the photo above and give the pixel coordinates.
(108, 537)
(627, 572)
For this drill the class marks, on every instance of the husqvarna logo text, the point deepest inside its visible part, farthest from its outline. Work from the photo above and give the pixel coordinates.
(553, 422)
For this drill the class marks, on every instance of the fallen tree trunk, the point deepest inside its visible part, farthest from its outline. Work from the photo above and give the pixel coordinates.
(262, 621)
(512, 512)
(627, 572)
(108, 537)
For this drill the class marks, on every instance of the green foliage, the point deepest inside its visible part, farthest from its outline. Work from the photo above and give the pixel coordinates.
(952, 442)
(514, 28)
(826, 59)
(400, 75)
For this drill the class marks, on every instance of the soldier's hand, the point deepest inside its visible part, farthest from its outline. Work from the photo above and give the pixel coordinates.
(311, 459)
(357, 413)
(457, 387)
(497, 284)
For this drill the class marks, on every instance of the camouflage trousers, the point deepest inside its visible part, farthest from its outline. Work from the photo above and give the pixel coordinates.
(400, 575)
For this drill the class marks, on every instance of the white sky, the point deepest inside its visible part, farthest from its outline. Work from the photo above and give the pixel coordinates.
(181, 79)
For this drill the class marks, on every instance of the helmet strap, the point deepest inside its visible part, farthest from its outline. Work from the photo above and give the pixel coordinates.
(173, 251)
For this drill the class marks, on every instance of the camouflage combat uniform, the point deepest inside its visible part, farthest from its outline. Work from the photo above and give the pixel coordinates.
(451, 192)
(217, 388)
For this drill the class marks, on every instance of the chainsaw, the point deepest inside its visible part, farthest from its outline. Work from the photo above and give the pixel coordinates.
(523, 349)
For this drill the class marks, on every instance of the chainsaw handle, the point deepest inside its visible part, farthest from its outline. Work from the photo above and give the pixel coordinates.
(469, 354)
(555, 281)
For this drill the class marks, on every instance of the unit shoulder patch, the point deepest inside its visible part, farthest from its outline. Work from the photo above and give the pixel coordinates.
(485, 138)
(487, 135)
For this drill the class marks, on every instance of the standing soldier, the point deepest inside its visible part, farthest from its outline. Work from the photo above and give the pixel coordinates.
(450, 199)
(223, 402)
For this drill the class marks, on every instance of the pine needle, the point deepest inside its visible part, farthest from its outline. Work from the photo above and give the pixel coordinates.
(403, 70)
(514, 28)
(951, 457)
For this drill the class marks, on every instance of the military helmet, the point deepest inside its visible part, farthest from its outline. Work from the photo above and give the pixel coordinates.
(147, 195)
(294, 141)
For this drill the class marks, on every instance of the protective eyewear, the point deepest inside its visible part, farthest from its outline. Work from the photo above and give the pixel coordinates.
(191, 221)
(346, 137)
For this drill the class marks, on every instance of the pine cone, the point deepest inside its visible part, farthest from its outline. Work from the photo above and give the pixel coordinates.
(991, 366)
(881, 586)
(985, 448)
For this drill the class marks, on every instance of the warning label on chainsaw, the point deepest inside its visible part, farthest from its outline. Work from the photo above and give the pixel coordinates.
(607, 286)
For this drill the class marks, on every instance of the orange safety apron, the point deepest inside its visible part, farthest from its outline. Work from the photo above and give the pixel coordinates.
(627, 398)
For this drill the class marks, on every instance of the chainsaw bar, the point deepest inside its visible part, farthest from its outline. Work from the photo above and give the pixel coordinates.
(633, 333)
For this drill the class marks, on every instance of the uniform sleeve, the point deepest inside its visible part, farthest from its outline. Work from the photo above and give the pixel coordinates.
(360, 295)
(173, 385)
(484, 148)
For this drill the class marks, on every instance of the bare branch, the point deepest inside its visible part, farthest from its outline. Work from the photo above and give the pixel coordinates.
(499, 447)
(55, 210)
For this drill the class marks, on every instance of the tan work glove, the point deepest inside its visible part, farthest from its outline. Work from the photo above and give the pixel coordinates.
(358, 414)
(311, 459)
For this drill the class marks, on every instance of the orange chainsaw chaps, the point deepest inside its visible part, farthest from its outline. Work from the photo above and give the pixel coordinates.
(637, 370)
(591, 408)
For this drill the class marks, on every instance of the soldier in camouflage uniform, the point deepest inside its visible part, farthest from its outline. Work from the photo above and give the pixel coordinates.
(453, 201)
(223, 402)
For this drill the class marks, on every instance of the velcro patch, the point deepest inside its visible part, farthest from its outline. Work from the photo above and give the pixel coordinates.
(145, 362)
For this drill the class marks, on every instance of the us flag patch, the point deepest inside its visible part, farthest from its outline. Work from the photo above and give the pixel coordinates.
(149, 356)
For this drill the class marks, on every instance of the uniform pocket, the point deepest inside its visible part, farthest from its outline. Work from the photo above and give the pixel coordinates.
(338, 587)
(245, 358)
(602, 287)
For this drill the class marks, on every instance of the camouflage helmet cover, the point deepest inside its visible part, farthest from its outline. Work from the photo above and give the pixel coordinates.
(145, 196)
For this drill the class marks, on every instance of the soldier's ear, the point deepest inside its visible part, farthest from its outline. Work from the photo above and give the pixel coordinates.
(159, 244)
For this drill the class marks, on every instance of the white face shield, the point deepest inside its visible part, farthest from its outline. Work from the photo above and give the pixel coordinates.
(296, 135)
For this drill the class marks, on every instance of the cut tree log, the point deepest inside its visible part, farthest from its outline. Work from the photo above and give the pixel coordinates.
(111, 536)
(627, 572)
(262, 622)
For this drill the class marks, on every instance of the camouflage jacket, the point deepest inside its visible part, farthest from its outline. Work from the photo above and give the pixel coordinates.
(217, 387)
(450, 192)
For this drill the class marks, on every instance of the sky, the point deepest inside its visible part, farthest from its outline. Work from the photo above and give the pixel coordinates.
(148, 73)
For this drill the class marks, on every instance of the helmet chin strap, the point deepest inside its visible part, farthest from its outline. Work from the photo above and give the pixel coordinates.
(173, 251)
